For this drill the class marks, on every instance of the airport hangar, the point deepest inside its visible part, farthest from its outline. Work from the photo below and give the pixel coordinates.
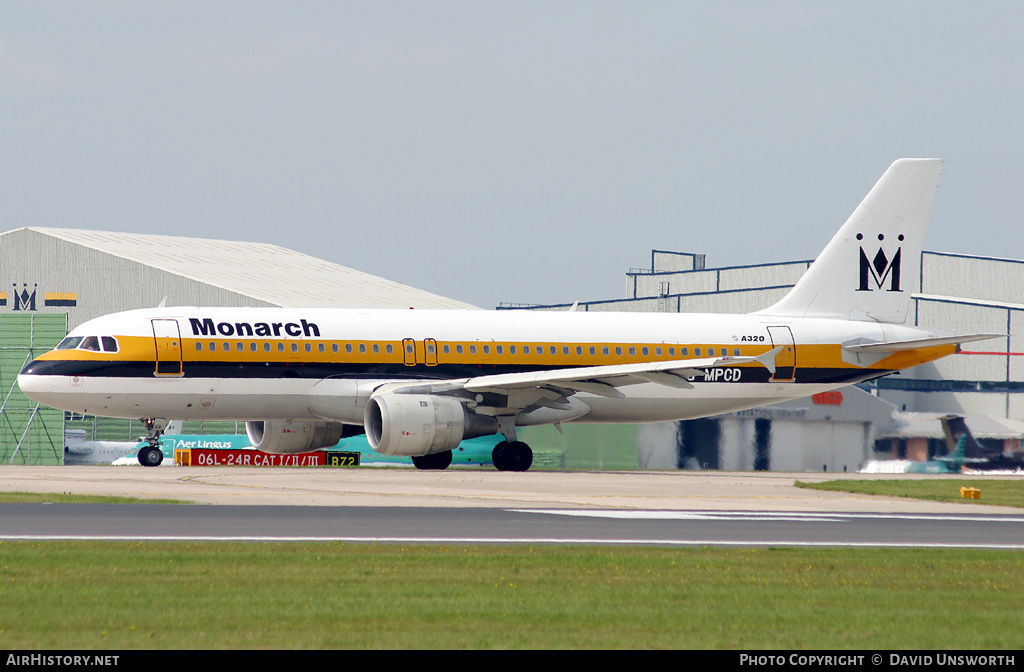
(59, 278)
(52, 280)
(895, 417)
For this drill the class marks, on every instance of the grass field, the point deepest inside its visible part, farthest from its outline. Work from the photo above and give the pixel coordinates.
(60, 595)
(994, 492)
(178, 595)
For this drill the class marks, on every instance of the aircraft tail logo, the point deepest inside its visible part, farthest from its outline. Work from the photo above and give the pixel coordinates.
(875, 273)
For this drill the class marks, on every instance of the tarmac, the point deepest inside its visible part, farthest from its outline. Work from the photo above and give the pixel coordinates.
(476, 487)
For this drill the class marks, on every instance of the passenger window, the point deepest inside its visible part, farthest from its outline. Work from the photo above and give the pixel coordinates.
(389, 349)
(199, 346)
(334, 347)
(645, 351)
(295, 347)
(593, 350)
(321, 347)
(213, 346)
(280, 347)
(498, 349)
(309, 347)
(579, 349)
(252, 346)
(657, 352)
(671, 352)
(266, 347)
(552, 350)
(376, 348)
(109, 343)
(472, 349)
(487, 349)
(362, 348)
(227, 347)
(684, 352)
(736, 352)
(618, 350)
(445, 348)
(632, 351)
(239, 346)
(348, 347)
(604, 350)
(696, 352)
(458, 349)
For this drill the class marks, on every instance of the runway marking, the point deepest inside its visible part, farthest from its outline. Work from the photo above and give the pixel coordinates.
(638, 514)
(510, 540)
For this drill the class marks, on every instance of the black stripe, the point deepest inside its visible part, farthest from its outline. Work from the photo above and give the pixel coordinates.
(319, 370)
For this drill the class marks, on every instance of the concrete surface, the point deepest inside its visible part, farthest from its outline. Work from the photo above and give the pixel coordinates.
(461, 487)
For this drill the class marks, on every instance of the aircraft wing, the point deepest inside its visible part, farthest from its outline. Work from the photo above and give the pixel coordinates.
(602, 380)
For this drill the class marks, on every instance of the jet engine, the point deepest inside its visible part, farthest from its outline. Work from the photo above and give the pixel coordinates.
(294, 436)
(421, 424)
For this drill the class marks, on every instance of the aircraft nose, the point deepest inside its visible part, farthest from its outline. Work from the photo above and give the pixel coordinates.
(35, 387)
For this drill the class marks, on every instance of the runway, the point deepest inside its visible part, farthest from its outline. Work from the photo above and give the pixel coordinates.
(486, 506)
(161, 522)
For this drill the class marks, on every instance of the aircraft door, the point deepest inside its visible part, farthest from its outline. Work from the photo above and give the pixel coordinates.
(785, 361)
(167, 339)
(423, 352)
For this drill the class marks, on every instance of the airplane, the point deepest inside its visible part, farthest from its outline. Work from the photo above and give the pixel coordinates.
(419, 382)
(959, 441)
(965, 449)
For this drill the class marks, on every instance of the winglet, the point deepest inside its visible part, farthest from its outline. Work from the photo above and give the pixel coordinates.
(767, 360)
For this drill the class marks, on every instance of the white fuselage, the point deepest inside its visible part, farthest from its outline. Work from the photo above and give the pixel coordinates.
(266, 363)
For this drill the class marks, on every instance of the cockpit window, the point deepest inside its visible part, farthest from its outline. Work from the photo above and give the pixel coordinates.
(69, 343)
(90, 343)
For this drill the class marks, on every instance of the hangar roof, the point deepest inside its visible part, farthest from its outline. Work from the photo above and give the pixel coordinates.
(266, 272)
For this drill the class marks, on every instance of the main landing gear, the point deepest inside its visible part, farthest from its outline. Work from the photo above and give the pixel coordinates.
(512, 456)
(151, 455)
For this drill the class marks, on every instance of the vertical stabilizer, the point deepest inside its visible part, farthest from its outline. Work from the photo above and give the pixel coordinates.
(868, 269)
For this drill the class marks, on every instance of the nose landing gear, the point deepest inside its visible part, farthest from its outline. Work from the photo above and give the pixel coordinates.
(151, 455)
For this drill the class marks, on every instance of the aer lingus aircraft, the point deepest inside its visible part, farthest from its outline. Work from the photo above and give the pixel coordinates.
(421, 381)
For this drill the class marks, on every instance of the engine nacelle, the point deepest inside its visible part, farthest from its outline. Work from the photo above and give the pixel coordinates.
(421, 424)
(293, 436)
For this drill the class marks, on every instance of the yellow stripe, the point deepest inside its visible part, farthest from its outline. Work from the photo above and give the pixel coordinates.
(60, 296)
(141, 348)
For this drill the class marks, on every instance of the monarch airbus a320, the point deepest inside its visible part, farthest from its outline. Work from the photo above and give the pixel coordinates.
(421, 381)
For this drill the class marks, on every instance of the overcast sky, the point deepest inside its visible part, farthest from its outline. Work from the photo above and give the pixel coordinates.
(509, 151)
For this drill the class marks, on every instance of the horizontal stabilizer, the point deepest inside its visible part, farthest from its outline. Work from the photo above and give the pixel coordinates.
(916, 344)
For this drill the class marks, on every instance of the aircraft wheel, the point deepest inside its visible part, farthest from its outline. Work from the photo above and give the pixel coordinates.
(151, 456)
(433, 461)
(512, 456)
